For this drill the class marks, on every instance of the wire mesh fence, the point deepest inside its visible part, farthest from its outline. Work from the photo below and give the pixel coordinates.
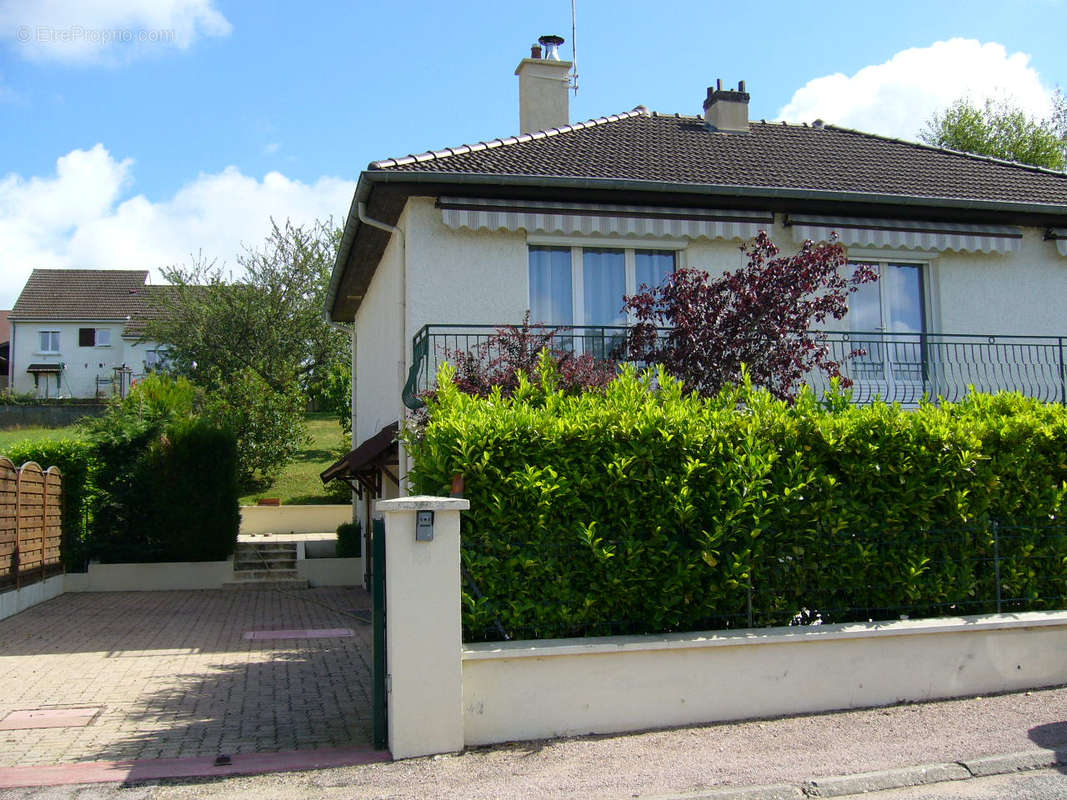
(570, 588)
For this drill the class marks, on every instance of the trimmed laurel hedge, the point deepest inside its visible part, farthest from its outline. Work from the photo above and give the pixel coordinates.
(640, 508)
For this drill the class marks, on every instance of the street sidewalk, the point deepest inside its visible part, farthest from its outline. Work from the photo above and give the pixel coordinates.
(696, 761)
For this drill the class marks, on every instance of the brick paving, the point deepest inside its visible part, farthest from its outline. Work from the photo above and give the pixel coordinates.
(176, 676)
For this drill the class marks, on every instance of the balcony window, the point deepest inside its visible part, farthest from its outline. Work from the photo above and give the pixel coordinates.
(586, 285)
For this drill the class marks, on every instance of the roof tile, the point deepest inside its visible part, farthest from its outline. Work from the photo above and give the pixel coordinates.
(678, 149)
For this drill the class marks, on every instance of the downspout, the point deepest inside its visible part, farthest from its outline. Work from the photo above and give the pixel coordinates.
(361, 212)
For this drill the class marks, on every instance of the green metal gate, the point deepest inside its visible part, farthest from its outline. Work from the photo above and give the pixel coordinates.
(381, 708)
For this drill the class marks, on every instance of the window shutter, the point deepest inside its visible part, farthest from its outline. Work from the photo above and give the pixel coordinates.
(86, 337)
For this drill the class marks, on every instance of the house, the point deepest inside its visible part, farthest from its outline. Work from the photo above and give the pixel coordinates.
(565, 218)
(5, 347)
(77, 332)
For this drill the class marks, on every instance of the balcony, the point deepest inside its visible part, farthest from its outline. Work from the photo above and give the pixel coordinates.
(896, 367)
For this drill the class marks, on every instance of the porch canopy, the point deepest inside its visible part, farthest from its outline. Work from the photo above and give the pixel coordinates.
(907, 234)
(534, 216)
(362, 468)
(37, 369)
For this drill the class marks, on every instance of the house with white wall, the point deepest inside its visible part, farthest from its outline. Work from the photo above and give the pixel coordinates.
(564, 219)
(78, 333)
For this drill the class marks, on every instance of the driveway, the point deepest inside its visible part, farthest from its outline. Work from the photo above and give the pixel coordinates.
(140, 675)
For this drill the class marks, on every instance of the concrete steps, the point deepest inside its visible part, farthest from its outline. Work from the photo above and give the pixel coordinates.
(267, 565)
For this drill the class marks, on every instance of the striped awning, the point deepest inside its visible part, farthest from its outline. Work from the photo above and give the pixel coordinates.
(39, 368)
(907, 234)
(1059, 236)
(587, 219)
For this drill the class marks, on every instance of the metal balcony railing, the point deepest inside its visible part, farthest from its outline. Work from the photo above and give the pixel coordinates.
(896, 367)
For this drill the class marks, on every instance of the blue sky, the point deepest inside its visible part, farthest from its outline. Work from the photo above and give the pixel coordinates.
(140, 153)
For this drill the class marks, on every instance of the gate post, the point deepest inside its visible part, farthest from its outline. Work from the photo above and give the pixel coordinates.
(424, 638)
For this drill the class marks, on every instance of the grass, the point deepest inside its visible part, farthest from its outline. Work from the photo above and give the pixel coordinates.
(299, 482)
(13, 435)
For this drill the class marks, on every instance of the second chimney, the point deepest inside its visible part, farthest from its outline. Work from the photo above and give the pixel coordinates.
(727, 109)
(544, 101)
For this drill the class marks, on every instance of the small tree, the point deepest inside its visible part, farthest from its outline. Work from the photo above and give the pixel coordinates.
(759, 317)
(1000, 130)
(515, 349)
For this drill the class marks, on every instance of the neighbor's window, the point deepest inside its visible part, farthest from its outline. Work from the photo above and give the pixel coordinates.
(94, 337)
(49, 341)
(586, 285)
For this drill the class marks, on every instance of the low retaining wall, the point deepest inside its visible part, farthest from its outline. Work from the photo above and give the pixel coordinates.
(17, 600)
(47, 416)
(151, 577)
(331, 571)
(294, 519)
(534, 690)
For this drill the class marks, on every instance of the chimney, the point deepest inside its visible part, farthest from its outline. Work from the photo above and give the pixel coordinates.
(543, 85)
(726, 110)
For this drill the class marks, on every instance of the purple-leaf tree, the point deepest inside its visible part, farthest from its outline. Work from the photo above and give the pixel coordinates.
(703, 330)
(517, 348)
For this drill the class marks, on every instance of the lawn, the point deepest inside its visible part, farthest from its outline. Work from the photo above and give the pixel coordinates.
(13, 435)
(299, 481)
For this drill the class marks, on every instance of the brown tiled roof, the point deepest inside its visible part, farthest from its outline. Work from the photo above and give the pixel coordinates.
(153, 300)
(76, 294)
(682, 150)
(5, 327)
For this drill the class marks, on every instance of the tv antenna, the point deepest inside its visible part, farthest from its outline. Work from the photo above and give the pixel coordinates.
(574, 45)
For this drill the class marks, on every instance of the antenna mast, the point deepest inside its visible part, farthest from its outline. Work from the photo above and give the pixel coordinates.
(574, 45)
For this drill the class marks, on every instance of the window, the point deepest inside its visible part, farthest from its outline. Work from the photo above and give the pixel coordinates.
(892, 308)
(94, 337)
(154, 359)
(586, 285)
(49, 341)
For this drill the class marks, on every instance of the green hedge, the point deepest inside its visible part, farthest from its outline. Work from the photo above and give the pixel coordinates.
(75, 459)
(642, 509)
(169, 496)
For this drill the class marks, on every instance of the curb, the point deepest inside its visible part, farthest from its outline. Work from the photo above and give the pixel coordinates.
(923, 774)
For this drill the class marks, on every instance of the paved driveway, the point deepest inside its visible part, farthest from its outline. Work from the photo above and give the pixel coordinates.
(174, 674)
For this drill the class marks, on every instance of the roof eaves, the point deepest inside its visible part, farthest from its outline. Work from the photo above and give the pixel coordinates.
(435, 155)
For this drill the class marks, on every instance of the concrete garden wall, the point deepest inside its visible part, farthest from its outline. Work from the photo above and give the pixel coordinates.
(294, 519)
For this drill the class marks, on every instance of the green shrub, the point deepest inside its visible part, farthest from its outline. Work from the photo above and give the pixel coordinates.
(349, 540)
(75, 459)
(642, 508)
(191, 510)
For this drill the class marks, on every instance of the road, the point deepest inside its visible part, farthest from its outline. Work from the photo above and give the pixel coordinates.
(1045, 784)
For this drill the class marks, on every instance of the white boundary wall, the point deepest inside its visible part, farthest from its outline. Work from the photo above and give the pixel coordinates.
(533, 690)
(443, 696)
(17, 600)
(294, 519)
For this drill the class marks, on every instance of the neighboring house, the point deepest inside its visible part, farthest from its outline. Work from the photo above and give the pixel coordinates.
(565, 219)
(5, 347)
(77, 333)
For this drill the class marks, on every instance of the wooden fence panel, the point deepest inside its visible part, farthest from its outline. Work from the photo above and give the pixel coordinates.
(53, 522)
(31, 524)
(30, 504)
(8, 539)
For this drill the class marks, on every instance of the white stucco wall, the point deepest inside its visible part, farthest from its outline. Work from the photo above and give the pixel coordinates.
(564, 687)
(81, 365)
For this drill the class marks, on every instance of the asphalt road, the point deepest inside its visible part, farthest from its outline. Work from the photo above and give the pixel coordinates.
(1045, 784)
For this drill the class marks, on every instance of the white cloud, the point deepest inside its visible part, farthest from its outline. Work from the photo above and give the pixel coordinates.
(105, 31)
(897, 97)
(83, 216)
